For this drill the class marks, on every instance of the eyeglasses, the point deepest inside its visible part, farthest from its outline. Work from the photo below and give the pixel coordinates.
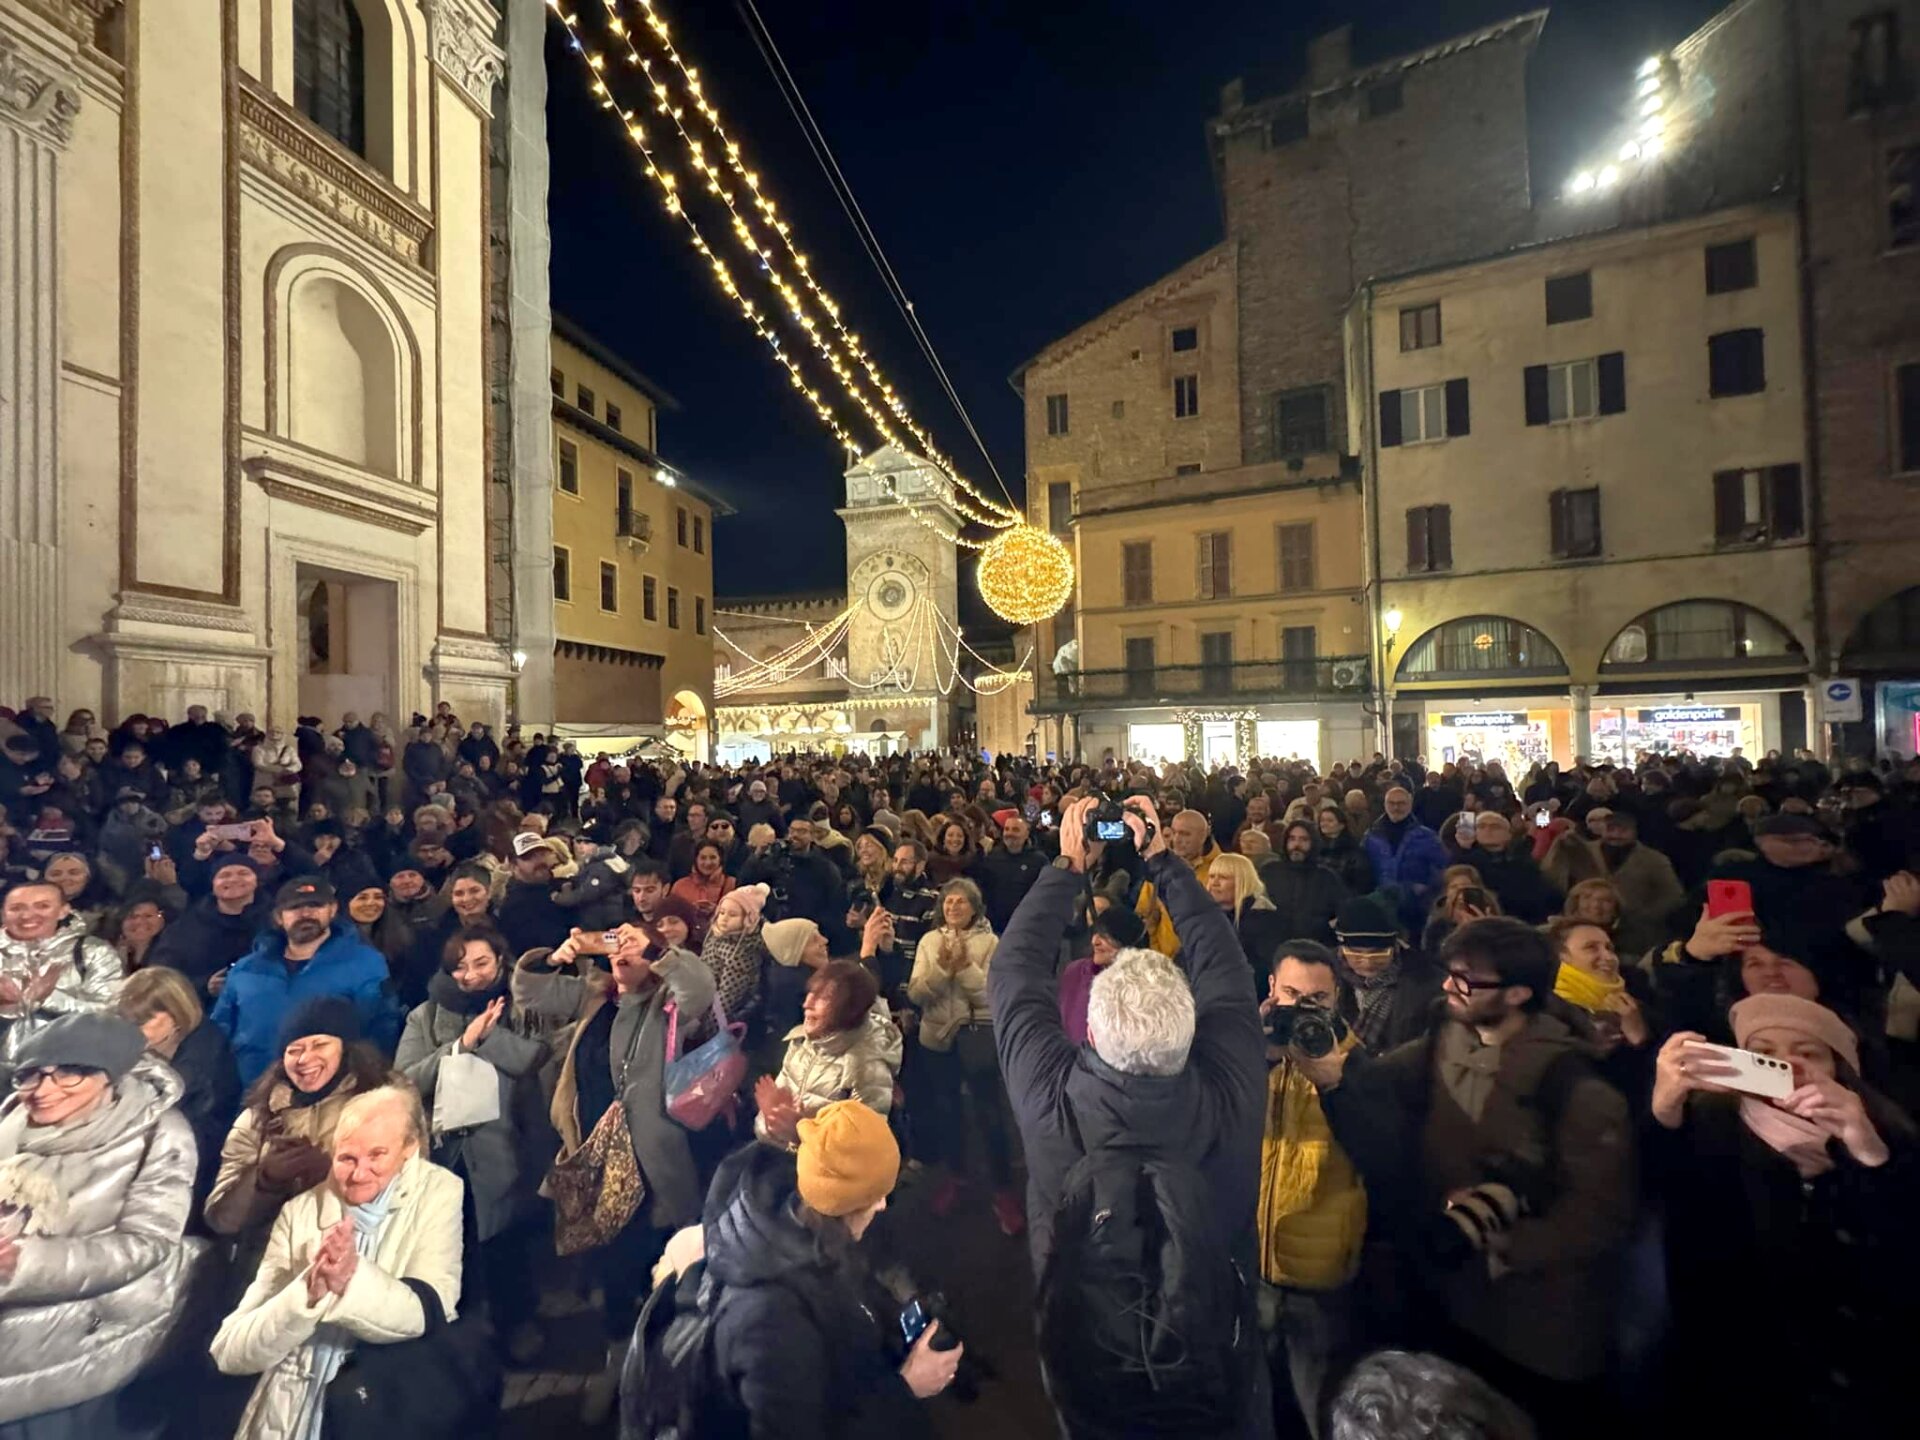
(64, 1077)
(1467, 983)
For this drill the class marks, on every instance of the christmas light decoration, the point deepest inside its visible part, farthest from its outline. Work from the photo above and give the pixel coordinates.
(1025, 575)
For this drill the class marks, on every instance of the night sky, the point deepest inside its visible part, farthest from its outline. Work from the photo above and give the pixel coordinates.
(1025, 167)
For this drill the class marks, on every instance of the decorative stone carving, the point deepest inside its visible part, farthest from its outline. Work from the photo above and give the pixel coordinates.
(275, 142)
(463, 47)
(78, 18)
(136, 609)
(35, 97)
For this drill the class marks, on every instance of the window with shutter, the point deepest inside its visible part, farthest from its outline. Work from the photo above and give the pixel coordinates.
(1060, 507)
(1296, 557)
(1298, 647)
(1215, 579)
(1056, 414)
(1141, 663)
(1752, 506)
(1216, 662)
(1136, 571)
(1732, 266)
(1420, 327)
(1389, 418)
(1533, 385)
(1458, 420)
(1736, 363)
(1787, 519)
(1575, 521)
(1429, 412)
(1429, 538)
(1610, 379)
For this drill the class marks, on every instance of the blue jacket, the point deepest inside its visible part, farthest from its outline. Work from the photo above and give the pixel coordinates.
(261, 991)
(1413, 870)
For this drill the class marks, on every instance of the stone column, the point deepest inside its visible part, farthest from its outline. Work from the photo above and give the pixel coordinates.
(39, 98)
(1581, 727)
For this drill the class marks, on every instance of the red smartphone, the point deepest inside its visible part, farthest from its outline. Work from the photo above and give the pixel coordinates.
(1729, 897)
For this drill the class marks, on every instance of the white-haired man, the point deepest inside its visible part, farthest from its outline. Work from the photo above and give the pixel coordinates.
(1170, 1085)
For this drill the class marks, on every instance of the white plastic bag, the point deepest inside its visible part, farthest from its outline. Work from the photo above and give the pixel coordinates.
(465, 1093)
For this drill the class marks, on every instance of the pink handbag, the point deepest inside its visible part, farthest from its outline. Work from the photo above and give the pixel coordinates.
(703, 1082)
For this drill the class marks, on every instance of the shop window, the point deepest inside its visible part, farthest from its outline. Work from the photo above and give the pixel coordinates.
(1214, 567)
(330, 69)
(1906, 387)
(1136, 572)
(1420, 327)
(1056, 414)
(1702, 632)
(1736, 363)
(1186, 396)
(1140, 666)
(1754, 506)
(1481, 645)
(1300, 422)
(1732, 266)
(1430, 412)
(1429, 538)
(1570, 297)
(1574, 519)
(1296, 557)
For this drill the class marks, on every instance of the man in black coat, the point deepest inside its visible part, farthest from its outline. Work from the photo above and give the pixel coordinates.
(1304, 892)
(529, 918)
(804, 881)
(217, 930)
(1510, 873)
(1006, 873)
(1069, 1102)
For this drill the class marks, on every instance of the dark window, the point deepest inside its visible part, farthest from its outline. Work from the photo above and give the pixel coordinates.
(1903, 198)
(1140, 666)
(1420, 327)
(1755, 505)
(1300, 422)
(1570, 297)
(1060, 507)
(1187, 337)
(1136, 572)
(1299, 644)
(1216, 662)
(1119, 409)
(1214, 578)
(330, 69)
(583, 397)
(1056, 414)
(1192, 467)
(673, 608)
(699, 614)
(1429, 538)
(1574, 517)
(609, 588)
(1385, 99)
(1732, 266)
(649, 598)
(699, 536)
(1906, 380)
(562, 574)
(1296, 557)
(1287, 127)
(1876, 75)
(1186, 396)
(680, 526)
(559, 383)
(613, 416)
(569, 468)
(1737, 362)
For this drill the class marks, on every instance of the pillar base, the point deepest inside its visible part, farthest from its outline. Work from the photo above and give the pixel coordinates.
(473, 674)
(160, 655)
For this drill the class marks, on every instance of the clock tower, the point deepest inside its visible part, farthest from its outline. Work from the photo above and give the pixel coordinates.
(903, 580)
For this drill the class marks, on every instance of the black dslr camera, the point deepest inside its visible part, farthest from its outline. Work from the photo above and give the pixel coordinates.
(1106, 826)
(1306, 1028)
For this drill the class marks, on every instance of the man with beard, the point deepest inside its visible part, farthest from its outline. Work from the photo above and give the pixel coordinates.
(216, 930)
(1304, 892)
(1649, 890)
(1392, 988)
(529, 918)
(909, 905)
(679, 852)
(1501, 1166)
(1006, 873)
(803, 881)
(308, 949)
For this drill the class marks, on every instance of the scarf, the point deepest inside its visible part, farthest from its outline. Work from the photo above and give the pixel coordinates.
(301, 1099)
(1373, 995)
(1394, 830)
(331, 1343)
(445, 992)
(1589, 992)
(1800, 1141)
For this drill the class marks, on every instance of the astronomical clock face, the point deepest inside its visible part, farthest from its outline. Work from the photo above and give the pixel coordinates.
(890, 582)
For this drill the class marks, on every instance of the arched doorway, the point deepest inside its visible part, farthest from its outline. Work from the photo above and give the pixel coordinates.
(688, 730)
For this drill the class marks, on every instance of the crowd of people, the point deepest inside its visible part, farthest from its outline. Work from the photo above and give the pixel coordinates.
(1325, 1104)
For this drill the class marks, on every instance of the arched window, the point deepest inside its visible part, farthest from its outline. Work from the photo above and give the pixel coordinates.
(1692, 633)
(1479, 646)
(330, 69)
(1888, 634)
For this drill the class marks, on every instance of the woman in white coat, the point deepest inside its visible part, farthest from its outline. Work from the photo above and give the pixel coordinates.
(96, 1182)
(357, 1261)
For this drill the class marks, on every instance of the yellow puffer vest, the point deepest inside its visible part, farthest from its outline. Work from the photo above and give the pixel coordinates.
(1313, 1210)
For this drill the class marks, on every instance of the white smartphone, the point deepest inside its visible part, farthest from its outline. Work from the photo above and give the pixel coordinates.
(1754, 1074)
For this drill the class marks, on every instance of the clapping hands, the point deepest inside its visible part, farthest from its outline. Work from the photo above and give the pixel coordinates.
(333, 1264)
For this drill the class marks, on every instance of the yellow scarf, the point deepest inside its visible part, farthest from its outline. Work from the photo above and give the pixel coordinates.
(1589, 992)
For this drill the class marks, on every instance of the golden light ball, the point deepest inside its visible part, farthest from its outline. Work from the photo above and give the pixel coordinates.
(1025, 575)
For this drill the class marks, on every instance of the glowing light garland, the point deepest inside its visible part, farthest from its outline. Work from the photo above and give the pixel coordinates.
(1025, 574)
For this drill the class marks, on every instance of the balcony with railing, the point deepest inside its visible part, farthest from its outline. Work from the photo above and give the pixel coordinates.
(632, 524)
(1324, 677)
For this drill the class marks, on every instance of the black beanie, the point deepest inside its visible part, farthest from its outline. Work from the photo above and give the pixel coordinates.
(333, 1015)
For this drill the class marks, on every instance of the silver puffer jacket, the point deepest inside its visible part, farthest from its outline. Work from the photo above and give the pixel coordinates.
(90, 976)
(103, 1267)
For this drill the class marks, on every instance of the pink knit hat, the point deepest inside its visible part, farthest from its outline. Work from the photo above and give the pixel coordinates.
(1789, 1014)
(749, 900)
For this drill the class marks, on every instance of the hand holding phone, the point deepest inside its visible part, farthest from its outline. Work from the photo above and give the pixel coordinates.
(1729, 897)
(1742, 1070)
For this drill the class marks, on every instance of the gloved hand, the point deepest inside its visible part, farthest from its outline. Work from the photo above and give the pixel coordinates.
(292, 1166)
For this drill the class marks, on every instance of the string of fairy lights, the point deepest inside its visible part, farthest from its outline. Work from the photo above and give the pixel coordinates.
(1025, 574)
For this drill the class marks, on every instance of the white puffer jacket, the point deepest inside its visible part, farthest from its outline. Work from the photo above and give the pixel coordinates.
(948, 1001)
(90, 975)
(857, 1064)
(269, 1333)
(103, 1266)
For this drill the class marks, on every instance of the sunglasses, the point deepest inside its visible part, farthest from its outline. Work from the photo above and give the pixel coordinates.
(64, 1077)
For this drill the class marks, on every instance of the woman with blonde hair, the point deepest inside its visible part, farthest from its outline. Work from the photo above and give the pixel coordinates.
(949, 985)
(1597, 902)
(1236, 887)
(166, 1007)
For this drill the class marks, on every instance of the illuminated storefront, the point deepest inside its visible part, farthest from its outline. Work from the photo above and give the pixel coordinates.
(1532, 731)
(1623, 732)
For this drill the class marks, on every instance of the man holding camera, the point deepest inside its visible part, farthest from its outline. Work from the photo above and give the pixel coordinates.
(1502, 1166)
(1313, 1209)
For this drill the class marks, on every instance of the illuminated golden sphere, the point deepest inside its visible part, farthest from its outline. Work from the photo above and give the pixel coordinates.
(1025, 575)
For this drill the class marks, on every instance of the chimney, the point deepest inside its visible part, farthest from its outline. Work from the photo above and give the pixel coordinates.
(1329, 57)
